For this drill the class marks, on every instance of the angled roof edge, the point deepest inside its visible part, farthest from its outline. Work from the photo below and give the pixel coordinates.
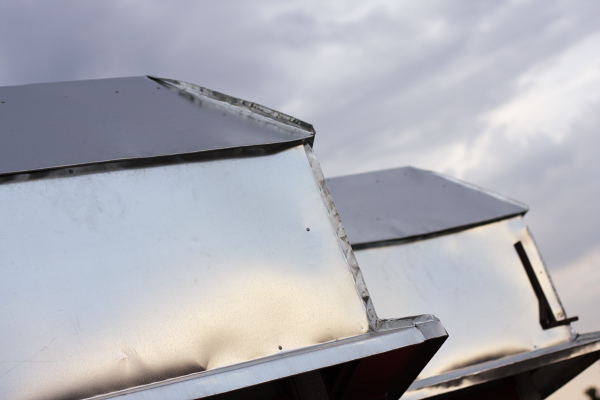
(200, 91)
(489, 192)
(407, 204)
(48, 126)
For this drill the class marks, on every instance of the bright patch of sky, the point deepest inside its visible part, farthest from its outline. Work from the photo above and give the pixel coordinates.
(549, 99)
(551, 95)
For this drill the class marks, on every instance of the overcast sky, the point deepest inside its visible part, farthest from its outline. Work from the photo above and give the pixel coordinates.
(503, 94)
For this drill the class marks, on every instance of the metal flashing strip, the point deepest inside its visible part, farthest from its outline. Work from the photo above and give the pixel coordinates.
(200, 92)
(422, 330)
(340, 232)
(539, 360)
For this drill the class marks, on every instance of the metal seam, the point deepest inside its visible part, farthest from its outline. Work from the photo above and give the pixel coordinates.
(375, 323)
(201, 93)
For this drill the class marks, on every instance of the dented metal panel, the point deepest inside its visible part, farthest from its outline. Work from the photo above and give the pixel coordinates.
(113, 278)
(475, 282)
(420, 331)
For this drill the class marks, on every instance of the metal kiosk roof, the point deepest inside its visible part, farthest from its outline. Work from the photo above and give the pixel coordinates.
(407, 203)
(159, 240)
(54, 125)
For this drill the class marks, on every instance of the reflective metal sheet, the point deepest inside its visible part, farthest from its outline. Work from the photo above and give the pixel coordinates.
(408, 203)
(115, 279)
(53, 125)
(472, 280)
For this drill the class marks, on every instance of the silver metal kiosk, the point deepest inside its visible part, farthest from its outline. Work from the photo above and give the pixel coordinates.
(425, 241)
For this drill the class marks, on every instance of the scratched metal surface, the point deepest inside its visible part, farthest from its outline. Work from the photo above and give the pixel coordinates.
(475, 283)
(126, 277)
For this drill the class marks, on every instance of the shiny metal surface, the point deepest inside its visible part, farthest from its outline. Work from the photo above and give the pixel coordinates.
(407, 203)
(121, 278)
(53, 125)
(409, 331)
(472, 280)
(543, 362)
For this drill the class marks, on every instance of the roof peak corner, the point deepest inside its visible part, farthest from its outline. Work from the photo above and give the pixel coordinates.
(197, 91)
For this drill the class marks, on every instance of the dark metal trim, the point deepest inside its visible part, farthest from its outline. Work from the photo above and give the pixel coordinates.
(196, 90)
(540, 362)
(547, 319)
(147, 162)
(443, 232)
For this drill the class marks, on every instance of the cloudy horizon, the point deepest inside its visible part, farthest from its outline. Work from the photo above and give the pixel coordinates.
(504, 95)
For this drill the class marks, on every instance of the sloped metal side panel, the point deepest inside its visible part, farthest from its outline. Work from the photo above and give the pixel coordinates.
(472, 280)
(120, 278)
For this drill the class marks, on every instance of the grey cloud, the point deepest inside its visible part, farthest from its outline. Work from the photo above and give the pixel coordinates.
(73, 40)
(558, 180)
(436, 92)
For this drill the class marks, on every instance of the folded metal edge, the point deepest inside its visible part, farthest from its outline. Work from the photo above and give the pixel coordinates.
(343, 241)
(221, 380)
(504, 367)
(196, 91)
